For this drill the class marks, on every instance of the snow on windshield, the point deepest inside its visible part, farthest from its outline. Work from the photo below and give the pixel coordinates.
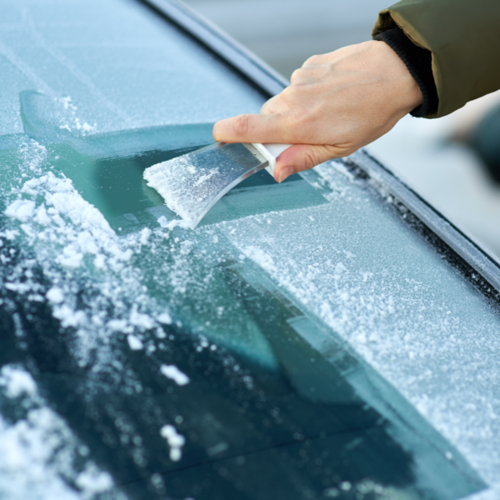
(39, 455)
(59, 250)
(385, 290)
(116, 66)
(390, 299)
(109, 302)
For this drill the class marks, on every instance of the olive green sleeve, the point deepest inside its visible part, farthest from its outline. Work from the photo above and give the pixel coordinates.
(464, 38)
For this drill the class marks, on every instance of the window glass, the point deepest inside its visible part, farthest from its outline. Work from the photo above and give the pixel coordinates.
(113, 66)
(290, 347)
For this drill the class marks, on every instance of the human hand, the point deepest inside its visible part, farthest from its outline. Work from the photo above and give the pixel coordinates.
(336, 104)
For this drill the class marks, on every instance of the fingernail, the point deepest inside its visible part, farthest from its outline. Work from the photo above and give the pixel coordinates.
(285, 172)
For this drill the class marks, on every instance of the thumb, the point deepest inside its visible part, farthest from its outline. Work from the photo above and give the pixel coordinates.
(303, 157)
(251, 128)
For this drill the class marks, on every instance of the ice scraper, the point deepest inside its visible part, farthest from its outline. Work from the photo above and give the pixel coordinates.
(193, 183)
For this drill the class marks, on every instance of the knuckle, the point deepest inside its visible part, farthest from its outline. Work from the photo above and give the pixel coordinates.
(290, 93)
(241, 125)
(310, 158)
(296, 75)
(266, 108)
(270, 105)
(344, 150)
(312, 60)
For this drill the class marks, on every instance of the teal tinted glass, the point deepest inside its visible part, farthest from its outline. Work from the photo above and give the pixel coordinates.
(111, 66)
(141, 360)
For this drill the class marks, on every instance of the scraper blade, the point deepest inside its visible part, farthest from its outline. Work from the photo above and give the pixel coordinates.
(193, 183)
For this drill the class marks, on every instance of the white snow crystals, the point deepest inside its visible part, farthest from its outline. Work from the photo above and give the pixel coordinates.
(16, 382)
(21, 210)
(55, 295)
(174, 440)
(93, 236)
(173, 373)
(382, 288)
(188, 188)
(135, 343)
(39, 455)
(165, 318)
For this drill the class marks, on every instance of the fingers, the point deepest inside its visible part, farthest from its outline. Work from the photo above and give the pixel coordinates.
(308, 73)
(303, 157)
(271, 106)
(252, 128)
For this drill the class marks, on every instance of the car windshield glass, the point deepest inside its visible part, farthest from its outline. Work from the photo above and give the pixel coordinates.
(304, 342)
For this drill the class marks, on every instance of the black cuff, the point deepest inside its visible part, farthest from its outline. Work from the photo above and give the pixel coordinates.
(419, 64)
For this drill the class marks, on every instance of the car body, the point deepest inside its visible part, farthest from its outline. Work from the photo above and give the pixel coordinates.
(330, 337)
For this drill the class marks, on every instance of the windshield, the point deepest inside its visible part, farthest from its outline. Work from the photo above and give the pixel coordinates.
(302, 342)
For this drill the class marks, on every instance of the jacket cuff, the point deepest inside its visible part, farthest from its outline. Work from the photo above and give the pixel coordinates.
(419, 64)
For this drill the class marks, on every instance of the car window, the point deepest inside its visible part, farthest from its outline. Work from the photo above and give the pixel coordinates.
(295, 345)
(110, 67)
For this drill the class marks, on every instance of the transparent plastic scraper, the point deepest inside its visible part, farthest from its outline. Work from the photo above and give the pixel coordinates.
(192, 184)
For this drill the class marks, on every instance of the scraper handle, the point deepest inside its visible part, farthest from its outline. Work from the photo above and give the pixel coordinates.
(271, 152)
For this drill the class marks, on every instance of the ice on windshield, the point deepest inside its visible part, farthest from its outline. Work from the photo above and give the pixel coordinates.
(139, 356)
(115, 64)
(380, 286)
(191, 184)
(39, 454)
(168, 296)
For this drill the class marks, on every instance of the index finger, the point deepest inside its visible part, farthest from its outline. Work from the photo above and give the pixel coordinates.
(264, 128)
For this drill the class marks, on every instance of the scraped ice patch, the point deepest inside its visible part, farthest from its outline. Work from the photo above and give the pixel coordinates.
(193, 183)
(64, 230)
(184, 187)
(144, 321)
(68, 119)
(21, 210)
(70, 317)
(93, 481)
(55, 295)
(165, 318)
(40, 457)
(70, 221)
(145, 235)
(117, 325)
(206, 177)
(71, 257)
(135, 343)
(175, 441)
(16, 381)
(382, 288)
(173, 373)
(166, 224)
(41, 216)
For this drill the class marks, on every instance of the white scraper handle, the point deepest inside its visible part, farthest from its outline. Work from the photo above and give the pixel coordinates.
(271, 152)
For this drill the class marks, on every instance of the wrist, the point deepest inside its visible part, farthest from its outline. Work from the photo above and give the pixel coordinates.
(419, 63)
(406, 93)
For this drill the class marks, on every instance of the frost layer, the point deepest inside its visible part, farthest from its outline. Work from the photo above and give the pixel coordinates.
(39, 456)
(193, 183)
(379, 285)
